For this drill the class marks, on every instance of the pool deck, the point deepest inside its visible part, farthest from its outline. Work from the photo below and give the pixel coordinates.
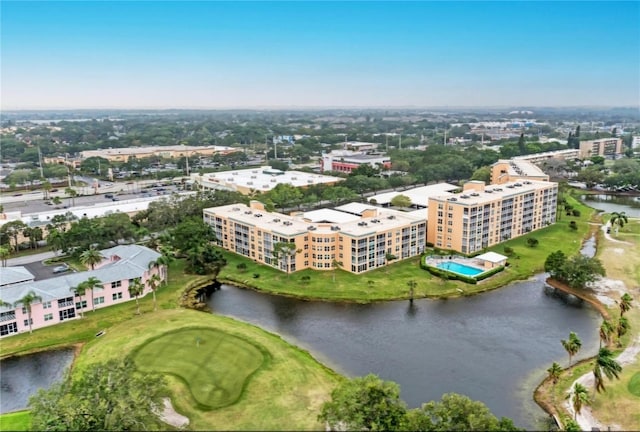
(434, 260)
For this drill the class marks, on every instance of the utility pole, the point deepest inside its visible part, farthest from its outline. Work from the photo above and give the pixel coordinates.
(40, 161)
(187, 163)
(400, 143)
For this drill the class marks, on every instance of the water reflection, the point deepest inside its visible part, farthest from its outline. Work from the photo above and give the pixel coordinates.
(21, 377)
(614, 203)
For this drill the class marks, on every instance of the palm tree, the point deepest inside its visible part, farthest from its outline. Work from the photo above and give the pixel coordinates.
(153, 283)
(79, 291)
(93, 283)
(554, 375)
(579, 397)
(72, 195)
(623, 327)
(572, 345)
(26, 302)
(46, 188)
(162, 262)
(4, 255)
(618, 219)
(335, 264)
(605, 363)
(606, 331)
(412, 284)
(90, 257)
(135, 289)
(625, 303)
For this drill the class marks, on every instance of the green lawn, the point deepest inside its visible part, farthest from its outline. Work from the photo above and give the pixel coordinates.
(634, 384)
(15, 421)
(284, 393)
(390, 283)
(215, 365)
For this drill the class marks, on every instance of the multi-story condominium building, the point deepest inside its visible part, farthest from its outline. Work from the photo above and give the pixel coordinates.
(176, 151)
(569, 154)
(261, 179)
(514, 169)
(119, 267)
(361, 237)
(610, 148)
(482, 216)
(346, 161)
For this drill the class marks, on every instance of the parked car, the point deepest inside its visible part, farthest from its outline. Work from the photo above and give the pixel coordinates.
(61, 269)
(115, 199)
(109, 195)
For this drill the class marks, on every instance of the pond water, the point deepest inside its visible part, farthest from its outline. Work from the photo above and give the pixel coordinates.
(493, 347)
(21, 377)
(614, 203)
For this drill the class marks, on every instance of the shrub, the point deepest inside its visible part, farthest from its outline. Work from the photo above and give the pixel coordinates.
(305, 279)
(576, 213)
(508, 250)
(573, 225)
(256, 275)
(242, 267)
(532, 242)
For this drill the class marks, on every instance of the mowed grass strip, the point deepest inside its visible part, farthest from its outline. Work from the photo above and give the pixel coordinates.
(16, 421)
(213, 364)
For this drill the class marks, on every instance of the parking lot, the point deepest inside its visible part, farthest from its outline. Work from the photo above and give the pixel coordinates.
(41, 271)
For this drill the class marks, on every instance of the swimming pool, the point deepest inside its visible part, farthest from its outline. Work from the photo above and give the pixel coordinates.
(460, 268)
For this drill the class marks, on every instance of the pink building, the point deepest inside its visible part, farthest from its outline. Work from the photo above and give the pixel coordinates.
(120, 266)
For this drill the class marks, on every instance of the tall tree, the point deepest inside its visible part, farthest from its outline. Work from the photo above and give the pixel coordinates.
(26, 302)
(579, 397)
(4, 255)
(335, 264)
(365, 403)
(13, 230)
(554, 375)
(79, 291)
(623, 327)
(572, 345)
(285, 251)
(93, 283)
(136, 288)
(106, 396)
(625, 303)
(72, 194)
(607, 365)
(153, 283)
(606, 331)
(91, 257)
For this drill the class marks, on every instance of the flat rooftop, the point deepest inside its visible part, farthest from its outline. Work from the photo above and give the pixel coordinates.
(493, 192)
(419, 196)
(155, 149)
(523, 168)
(264, 178)
(293, 225)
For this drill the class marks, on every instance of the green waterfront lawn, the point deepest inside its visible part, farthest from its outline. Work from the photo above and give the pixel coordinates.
(15, 421)
(390, 282)
(272, 385)
(214, 365)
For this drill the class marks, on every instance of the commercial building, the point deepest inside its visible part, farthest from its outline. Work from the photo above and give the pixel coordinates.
(610, 148)
(569, 154)
(360, 238)
(419, 196)
(176, 151)
(482, 216)
(120, 266)
(261, 179)
(346, 161)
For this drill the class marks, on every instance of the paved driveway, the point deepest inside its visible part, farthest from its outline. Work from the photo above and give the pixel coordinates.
(41, 271)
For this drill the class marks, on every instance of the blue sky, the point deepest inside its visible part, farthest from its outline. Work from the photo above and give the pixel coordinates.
(205, 54)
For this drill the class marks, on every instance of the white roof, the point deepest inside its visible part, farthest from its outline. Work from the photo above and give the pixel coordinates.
(329, 215)
(12, 275)
(492, 257)
(419, 196)
(355, 208)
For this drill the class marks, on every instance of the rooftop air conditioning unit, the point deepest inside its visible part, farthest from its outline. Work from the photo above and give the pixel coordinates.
(465, 196)
(475, 194)
(276, 220)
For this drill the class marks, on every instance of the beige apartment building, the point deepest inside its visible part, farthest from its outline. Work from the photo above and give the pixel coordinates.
(507, 170)
(610, 148)
(360, 237)
(484, 215)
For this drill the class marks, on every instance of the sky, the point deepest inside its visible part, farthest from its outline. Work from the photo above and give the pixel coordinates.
(209, 54)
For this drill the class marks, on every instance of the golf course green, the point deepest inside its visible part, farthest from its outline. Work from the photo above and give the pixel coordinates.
(215, 365)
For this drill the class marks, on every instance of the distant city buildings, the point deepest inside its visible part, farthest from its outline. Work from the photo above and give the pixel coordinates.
(610, 148)
(346, 161)
(175, 151)
(261, 179)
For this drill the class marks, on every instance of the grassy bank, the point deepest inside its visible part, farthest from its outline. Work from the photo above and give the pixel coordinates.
(16, 421)
(284, 393)
(390, 283)
(617, 405)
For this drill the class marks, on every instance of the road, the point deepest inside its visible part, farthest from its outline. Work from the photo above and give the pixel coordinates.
(29, 259)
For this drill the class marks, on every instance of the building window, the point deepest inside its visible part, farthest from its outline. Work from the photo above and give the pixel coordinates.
(67, 314)
(116, 296)
(24, 310)
(8, 329)
(48, 317)
(81, 305)
(28, 321)
(98, 300)
(116, 284)
(46, 305)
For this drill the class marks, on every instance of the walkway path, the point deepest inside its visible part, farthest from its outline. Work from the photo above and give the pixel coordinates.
(29, 259)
